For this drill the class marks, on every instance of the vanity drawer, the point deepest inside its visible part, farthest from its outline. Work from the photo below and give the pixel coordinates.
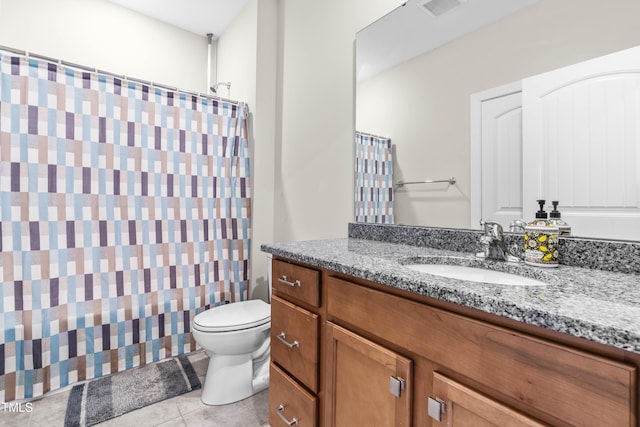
(288, 400)
(294, 341)
(550, 380)
(300, 283)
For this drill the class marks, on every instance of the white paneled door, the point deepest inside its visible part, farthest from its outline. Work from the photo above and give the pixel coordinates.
(497, 149)
(581, 144)
(502, 159)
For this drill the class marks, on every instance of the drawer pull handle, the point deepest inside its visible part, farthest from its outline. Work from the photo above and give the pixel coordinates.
(283, 339)
(284, 280)
(280, 409)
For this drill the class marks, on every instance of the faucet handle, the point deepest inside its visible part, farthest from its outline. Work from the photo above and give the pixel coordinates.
(492, 229)
(517, 226)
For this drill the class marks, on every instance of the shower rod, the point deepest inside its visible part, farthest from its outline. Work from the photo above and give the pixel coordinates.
(371, 135)
(119, 76)
(451, 181)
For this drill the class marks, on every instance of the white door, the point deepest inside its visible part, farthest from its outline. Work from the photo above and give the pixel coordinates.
(498, 151)
(581, 144)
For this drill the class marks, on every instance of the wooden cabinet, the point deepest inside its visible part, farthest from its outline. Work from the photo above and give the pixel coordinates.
(359, 353)
(295, 345)
(368, 384)
(550, 382)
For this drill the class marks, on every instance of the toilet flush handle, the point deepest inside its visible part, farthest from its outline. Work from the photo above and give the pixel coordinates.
(282, 337)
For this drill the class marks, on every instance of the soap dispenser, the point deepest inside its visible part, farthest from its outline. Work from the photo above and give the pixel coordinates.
(555, 217)
(541, 240)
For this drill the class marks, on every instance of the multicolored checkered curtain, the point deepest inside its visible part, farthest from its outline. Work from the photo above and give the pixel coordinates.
(374, 179)
(125, 211)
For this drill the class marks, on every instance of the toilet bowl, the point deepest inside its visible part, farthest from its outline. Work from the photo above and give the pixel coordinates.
(236, 337)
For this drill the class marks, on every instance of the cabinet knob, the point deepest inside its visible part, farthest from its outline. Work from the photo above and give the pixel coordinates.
(280, 410)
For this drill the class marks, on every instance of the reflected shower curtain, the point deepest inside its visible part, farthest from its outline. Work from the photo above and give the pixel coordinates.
(374, 179)
(125, 211)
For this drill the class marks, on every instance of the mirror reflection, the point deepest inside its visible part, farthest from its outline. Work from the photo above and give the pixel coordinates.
(423, 102)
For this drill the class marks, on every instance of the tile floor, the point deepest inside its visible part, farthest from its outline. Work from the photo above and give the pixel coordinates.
(182, 411)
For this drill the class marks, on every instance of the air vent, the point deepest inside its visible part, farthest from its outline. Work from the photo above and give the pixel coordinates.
(438, 7)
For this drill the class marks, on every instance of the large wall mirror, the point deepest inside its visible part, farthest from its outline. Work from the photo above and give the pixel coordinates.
(419, 94)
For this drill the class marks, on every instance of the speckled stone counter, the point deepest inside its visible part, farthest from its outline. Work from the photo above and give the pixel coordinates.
(602, 306)
(609, 255)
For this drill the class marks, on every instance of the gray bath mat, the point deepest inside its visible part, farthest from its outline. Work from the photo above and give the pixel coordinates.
(108, 397)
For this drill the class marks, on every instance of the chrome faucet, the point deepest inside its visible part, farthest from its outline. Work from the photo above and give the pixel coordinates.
(493, 245)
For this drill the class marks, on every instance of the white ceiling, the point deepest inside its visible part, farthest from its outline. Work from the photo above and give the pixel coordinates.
(198, 16)
(408, 31)
(402, 34)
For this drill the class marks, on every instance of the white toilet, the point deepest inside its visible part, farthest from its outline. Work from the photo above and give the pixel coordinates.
(236, 337)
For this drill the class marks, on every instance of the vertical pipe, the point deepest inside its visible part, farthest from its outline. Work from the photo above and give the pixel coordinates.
(209, 39)
(214, 60)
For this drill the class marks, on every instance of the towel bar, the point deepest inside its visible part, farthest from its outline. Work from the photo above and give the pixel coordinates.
(451, 181)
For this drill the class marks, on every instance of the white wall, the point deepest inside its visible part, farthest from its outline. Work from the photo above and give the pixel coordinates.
(423, 105)
(265, 127)
(247, 57)
(100, 34)
(236, 55)
(314, 170)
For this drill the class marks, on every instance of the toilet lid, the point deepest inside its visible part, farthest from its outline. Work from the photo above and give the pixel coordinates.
(234, 316)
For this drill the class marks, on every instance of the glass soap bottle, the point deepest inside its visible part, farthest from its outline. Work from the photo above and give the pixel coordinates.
(555, 217)
(541, 241)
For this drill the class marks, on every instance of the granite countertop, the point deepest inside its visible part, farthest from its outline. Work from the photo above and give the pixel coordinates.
(597, 305)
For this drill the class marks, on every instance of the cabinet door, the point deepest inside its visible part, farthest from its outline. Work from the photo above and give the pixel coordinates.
(466, 407)
(368, 385)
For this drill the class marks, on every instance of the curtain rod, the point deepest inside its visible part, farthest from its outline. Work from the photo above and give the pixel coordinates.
(109, 73)
(372, 135)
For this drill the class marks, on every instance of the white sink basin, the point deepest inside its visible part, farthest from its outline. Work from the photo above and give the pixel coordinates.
(474, 274)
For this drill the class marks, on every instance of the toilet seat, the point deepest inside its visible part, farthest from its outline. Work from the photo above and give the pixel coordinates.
(233, 317)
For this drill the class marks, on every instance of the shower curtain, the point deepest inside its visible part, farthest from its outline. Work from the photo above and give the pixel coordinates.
(125, 210)
(374, 179)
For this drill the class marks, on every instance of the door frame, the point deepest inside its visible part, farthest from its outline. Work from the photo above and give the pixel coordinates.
(475, 138)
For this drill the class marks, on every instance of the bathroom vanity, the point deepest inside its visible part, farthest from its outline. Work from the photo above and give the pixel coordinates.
(358, 338)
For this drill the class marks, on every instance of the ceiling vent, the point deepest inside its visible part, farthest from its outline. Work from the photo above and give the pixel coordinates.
(438, 7)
